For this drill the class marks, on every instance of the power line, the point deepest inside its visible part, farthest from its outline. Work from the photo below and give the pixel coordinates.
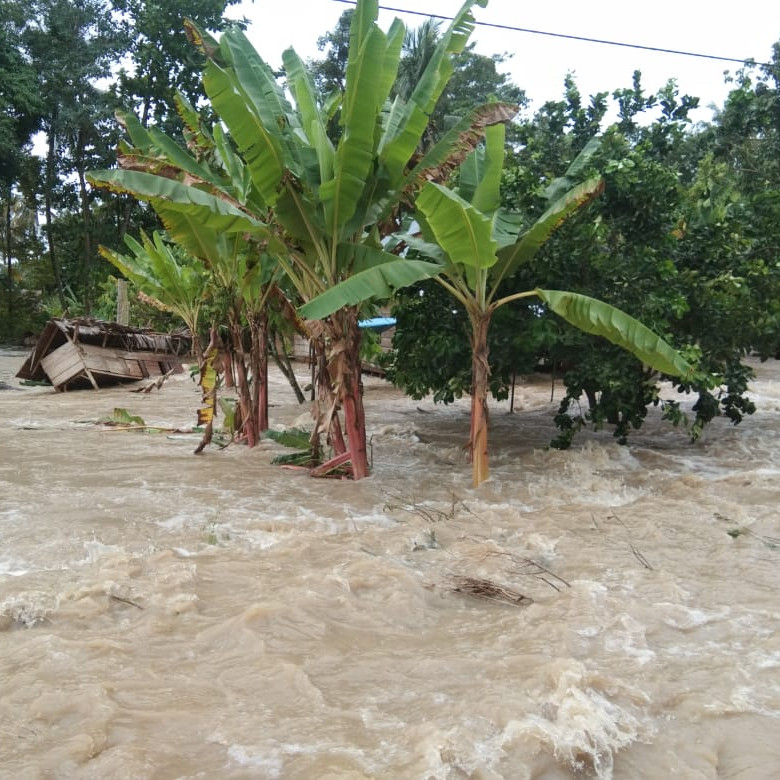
(568, 37)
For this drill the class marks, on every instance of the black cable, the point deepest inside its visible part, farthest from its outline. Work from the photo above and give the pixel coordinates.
(568, 37)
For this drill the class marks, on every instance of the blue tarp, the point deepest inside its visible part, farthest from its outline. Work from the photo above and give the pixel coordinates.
(377, 323)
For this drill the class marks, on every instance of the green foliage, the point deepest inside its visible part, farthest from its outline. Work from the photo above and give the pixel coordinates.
(294, 438)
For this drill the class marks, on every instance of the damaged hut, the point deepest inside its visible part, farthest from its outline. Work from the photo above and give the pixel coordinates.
(83, 353)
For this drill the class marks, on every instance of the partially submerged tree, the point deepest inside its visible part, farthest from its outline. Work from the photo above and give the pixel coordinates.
(481, 247)
(200, 194)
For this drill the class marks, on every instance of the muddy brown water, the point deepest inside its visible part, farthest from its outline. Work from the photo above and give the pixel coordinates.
(170, 616)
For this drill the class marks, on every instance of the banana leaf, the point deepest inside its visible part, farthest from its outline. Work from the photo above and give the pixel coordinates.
(295, 438)
(355, 152)
(374, 282)
(260, 146)
(302, 88)
(602, 319)
(463, 232)
(213, 211)
(511, 257)
(480, 174)
(406, 122)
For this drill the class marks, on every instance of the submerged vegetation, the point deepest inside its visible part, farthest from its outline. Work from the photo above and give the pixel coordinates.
(400, 171)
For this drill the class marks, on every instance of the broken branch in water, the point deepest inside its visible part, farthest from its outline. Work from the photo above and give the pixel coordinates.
(487, 589)
(528, 567)
(631, 546)
(124, 601)
(431, 515)
(157, 384)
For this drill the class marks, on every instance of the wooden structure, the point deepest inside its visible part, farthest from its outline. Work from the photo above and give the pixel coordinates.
(87, 352)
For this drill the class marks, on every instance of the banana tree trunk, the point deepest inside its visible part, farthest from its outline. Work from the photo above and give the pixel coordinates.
(345, 391)
(259, 361)
(351, 391)
(246, 413)
(480, 379)
(325, 410)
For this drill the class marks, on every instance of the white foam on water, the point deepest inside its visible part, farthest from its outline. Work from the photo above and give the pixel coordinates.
(681, 617)
(584, 727)
(27, 609)
(13, 567)
(271, 765)
(96, 550)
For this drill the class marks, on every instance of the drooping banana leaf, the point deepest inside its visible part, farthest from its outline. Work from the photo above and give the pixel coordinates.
(208, 385)
(211, 210)
(602, 319)
(446, 155)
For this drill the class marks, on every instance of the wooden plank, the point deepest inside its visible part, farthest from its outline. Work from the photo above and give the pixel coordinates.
(113, 366)
(152, 367)
(63, 365)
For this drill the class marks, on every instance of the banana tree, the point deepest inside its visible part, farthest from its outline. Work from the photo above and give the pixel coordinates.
(168, 278)
(321, 208)
(479, 246)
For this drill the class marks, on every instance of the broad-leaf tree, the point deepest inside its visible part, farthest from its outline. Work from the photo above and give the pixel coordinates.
(201, 195)
(168, 278)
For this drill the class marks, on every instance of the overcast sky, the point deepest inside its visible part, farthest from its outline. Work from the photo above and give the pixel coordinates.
(745, 29)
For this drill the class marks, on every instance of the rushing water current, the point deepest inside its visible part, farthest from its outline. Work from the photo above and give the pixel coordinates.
(170, 616)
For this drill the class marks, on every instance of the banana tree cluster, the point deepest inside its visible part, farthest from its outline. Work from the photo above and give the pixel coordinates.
(221, 254)
(322, 208)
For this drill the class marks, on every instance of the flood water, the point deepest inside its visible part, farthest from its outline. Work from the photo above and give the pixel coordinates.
(170, 616)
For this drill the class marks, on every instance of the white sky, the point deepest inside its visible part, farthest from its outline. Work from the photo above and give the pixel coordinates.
(744, 29)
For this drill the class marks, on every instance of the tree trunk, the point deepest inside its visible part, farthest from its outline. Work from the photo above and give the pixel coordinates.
(282, 360)
(480, 378)
(55, 266)
(346, 372)
(86, 222)
(246, 410)
(325, 409)
(259, 360)
(8, 249)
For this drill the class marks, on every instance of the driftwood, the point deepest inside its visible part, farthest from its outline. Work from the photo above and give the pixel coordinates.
(487, 589)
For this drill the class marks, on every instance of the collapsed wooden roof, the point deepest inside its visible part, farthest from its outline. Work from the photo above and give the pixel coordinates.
(88, 352)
